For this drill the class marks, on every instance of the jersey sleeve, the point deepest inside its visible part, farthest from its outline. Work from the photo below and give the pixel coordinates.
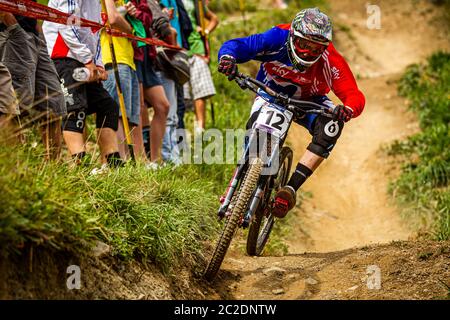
(343, 83)
(246, 49)
(70, 32)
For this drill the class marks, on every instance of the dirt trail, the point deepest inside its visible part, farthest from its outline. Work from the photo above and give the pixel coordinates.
(349, 207)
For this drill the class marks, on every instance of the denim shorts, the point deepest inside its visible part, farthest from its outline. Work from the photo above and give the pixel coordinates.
(130, 88)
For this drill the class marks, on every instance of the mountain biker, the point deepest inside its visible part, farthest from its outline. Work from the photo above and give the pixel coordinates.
(300, 60)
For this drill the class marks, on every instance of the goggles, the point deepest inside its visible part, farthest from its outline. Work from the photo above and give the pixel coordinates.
(308, 49)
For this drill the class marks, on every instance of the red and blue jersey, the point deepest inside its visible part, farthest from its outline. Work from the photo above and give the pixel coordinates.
(331, 72)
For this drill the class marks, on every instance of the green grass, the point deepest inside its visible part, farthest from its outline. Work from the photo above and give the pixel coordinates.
(423, 188)
(163, 216)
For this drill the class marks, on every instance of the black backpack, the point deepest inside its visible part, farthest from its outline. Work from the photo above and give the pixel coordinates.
(175, 63)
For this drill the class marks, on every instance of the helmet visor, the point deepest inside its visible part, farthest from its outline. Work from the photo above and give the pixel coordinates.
(307, 49)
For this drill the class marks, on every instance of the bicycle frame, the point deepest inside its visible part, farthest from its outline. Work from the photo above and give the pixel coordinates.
(282, 104)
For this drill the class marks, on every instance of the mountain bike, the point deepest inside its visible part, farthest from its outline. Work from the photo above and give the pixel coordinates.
(265, 166)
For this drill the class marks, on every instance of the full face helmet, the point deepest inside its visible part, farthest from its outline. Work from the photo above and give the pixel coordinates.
(309, 36)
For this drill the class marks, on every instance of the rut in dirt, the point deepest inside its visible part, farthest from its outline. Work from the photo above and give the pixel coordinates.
(349, 206)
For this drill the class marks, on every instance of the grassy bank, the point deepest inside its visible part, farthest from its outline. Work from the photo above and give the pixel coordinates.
(162, 216)
(423, 187)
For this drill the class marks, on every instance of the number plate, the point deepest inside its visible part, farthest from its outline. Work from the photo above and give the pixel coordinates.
(274, 121)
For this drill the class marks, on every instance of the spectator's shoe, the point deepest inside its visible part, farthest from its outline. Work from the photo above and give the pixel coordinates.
(153, 166)
(102, 170)
(285, 200)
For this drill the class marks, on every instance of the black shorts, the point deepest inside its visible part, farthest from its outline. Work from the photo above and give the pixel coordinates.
(83, 99)
(146, 72)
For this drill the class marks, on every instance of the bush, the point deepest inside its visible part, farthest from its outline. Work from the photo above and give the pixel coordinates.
(424, 184)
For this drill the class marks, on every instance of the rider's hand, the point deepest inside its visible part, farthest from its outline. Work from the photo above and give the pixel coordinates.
(228, 66)
(342, 113)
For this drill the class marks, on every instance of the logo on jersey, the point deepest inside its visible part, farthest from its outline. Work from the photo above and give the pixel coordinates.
(332, 129)
(336, 73)
(286, 72)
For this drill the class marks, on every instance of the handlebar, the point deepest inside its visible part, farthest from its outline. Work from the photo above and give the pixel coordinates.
(247, 82)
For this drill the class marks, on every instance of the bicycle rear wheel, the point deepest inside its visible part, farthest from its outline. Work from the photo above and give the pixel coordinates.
(263, 222)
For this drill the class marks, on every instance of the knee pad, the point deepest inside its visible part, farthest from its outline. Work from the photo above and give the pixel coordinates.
(319, 150)
(326, 133)
(74, 121)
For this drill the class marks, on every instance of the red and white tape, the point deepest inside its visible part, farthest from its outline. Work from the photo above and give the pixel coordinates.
(30, 9)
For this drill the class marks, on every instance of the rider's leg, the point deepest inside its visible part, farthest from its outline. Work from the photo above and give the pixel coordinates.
(326, 133)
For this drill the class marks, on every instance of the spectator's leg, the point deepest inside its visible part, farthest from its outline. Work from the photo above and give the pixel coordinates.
(170, 151)
(156, 97)
(107, 121)
(74, 141)
(49, 97)
(202, 89)
(19, 52)
(110, 86)
(9, 108)
(107, 141)
(121, 139)
(181, 107)
(136, 132)
(73, 124)
(200, 113)
(52, 136)
(145, 122)
(138, 139)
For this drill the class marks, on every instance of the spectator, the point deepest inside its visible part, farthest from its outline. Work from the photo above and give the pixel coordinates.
(128, 77)
(182, 24)
(73, 47)
(34, 78)
(201, 83)
(164, 24)
(171, 9)
(9, 107)
(151, 84)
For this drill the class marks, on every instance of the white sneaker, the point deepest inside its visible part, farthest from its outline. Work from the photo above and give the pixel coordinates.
(102, 170)
(198, 131)
(153, 166)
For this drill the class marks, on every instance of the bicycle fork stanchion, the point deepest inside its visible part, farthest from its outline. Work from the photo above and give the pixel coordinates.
(123, 110)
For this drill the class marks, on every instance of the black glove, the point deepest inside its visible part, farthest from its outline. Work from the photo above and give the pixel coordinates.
(342, 113)
(228, 66)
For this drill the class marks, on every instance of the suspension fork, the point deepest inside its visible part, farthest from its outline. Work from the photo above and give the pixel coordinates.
(232, 186)
(256, 200)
